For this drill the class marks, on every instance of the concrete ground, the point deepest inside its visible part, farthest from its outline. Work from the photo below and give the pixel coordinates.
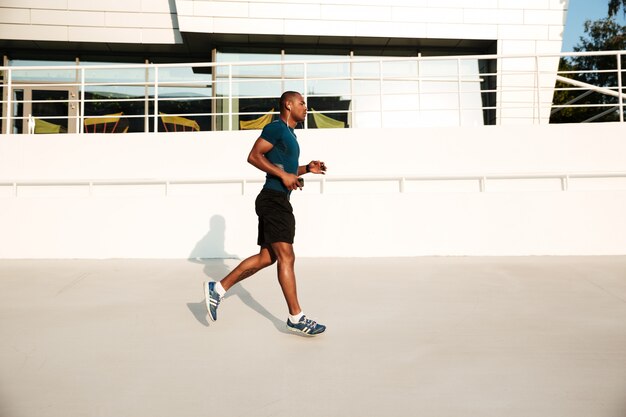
(406, 337)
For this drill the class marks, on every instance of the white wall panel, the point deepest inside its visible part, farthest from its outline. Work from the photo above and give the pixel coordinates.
(512, 65)
(143, 20)
(396, 29)
(482, 4)
(512, 217)
(528, 32)
(503, 17)
(94, 34)
(196, 24)
(514, 47)
(462, 31)
(285, 11)
(155, 6)
(149, 35)
(67, 18)
(312, 27)
(36, 4)
(26, 32)
(360, 13)
(525, 4)
(261, 26)
(221, 9)
(544, 17)
(108, 5)
(412, 3)
(427, 15)
(548, 47)
(556, 34)
(559, 4)
(184, 8)
(15, 16)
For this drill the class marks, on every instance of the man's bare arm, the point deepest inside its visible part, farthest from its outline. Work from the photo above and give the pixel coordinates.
(257, 159)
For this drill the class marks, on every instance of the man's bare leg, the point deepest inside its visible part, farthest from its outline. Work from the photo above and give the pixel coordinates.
(249, 267)
(213, 293)
(297, 321)
(286, 258)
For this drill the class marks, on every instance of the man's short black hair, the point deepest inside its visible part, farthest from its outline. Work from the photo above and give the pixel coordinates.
(287, 96)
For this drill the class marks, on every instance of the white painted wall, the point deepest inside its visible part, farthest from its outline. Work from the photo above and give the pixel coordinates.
(348, 219)
(117, 21)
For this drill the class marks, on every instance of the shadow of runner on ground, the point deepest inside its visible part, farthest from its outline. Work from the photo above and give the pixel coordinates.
(210, 253)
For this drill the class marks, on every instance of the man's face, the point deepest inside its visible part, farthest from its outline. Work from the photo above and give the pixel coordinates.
(298, 109)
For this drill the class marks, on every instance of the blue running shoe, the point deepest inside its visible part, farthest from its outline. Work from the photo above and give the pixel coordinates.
(212, 299)
(306, 326)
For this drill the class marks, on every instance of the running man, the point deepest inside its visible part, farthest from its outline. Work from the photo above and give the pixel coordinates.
(276, 153)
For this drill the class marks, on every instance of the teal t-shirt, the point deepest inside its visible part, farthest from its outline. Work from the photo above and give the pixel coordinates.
(284, 154)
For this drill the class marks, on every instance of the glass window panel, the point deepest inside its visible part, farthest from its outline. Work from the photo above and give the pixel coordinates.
(328, 87)
(251, 88)
(439, 100)
(402, 118)
(471, 101)
(50, 110)
(18, 111)
(256, 70)
(186, 115)
(293, 71)
(366, 119)
(400, 87)
(366, 103)
(327, 120)
(366, 69)
(443, 68)
(434, 118)
(197, 92)
(293, 85)
(326, 69)
(184, 75)
(49, 74)
(392, 69)
(469, 68)
(439, 87)
(119, 75)
(400, 103)
(364, 87)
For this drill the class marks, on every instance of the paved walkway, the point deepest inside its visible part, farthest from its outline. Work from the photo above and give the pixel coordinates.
(437, 337)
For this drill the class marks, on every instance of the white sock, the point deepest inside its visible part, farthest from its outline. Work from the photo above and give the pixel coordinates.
(296, 318)
(219, 289)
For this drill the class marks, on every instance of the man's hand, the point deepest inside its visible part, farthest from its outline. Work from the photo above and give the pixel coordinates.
(290, 181)
(317, 167)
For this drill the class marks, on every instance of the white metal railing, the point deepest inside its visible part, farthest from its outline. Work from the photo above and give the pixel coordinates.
(481, 182)
(372, 92)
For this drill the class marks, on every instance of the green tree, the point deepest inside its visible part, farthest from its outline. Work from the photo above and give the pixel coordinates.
(601, 71)
(615, 5)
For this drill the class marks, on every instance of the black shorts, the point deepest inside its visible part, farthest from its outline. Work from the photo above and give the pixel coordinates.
(276, 220)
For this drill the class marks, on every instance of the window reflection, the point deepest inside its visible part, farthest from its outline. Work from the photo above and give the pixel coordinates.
(341, 91)
(182, 93)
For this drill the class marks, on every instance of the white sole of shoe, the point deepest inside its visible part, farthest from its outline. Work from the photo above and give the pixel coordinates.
(297, 331)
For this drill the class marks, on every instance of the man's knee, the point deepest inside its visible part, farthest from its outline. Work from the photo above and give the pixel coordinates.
(268, 261)
(283, 252)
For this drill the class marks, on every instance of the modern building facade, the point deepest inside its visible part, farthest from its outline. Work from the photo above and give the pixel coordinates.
(168, 31)
(432, 116)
